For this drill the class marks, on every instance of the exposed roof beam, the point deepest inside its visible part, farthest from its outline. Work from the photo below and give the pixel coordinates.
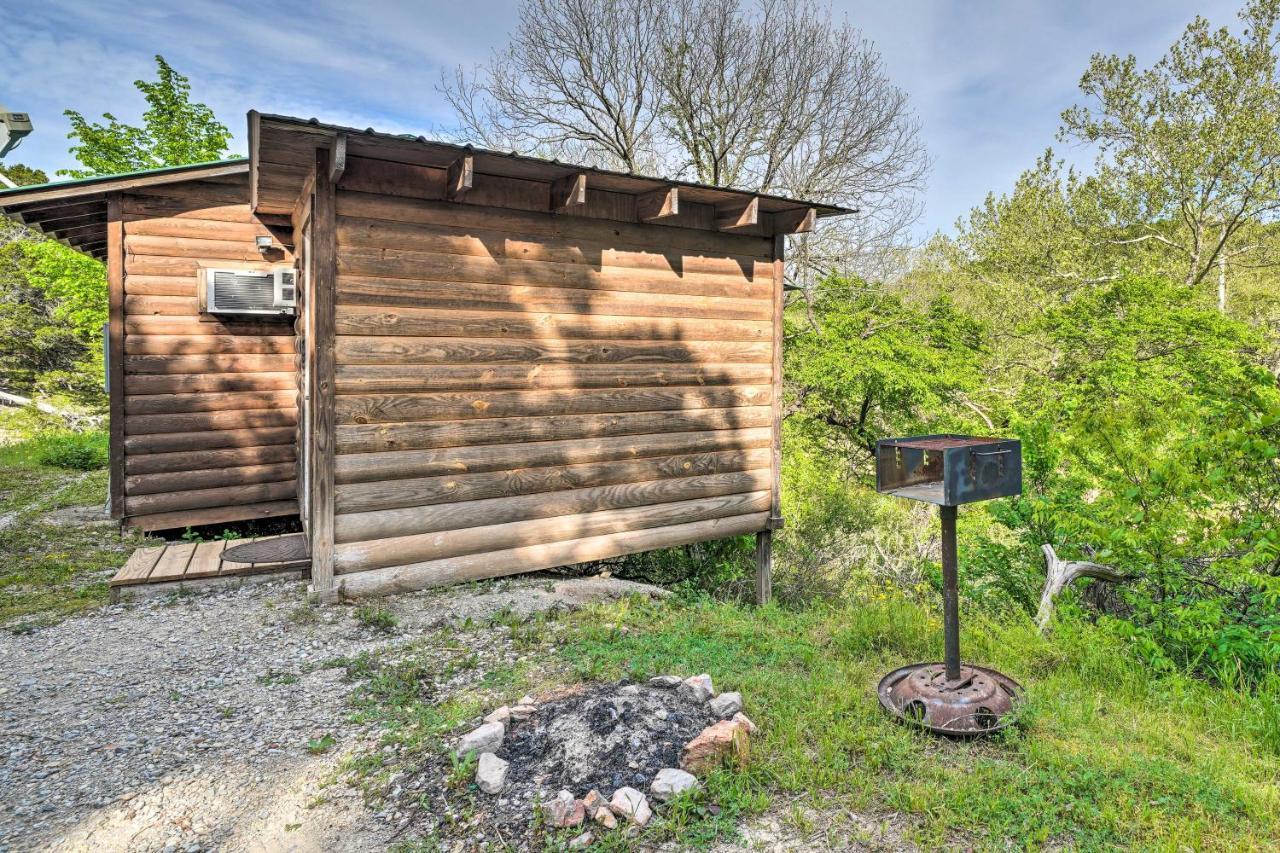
(338, 163)
(658, 204)
(569, 192)
(738, 214)
(460, 177)
(255, 138)
(798, 221)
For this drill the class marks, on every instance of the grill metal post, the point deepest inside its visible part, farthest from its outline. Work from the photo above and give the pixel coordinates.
(950, 594)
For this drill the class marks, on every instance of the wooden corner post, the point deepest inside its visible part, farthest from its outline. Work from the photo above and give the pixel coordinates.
(115, 351)
(764, 539)
(320, 302)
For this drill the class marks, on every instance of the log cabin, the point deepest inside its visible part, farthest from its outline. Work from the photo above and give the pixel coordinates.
(449, 363)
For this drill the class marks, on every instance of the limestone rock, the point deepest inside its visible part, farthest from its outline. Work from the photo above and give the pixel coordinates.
(697, 687)
(714, 745)
(583, 840)
(593, 801)
(629, 690)
(605, 817)
(564, 811)
(527, 700)
(499, 715)
(667, 682)
(523, 711)
(745, 721)
(629, 803)
(671, 782)
(726, 705)
(491, 773)
(487, 738)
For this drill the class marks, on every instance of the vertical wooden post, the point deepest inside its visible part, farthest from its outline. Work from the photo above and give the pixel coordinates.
(764, 539)
(115, 351)
(320, 351)
(764, 566)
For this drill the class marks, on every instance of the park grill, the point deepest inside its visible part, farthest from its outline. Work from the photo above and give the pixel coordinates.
(949, 470)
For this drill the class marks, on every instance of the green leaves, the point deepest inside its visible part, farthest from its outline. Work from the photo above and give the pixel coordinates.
(876, 366)
(175, 131)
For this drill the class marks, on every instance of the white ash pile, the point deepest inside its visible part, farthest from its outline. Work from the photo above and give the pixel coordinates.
(601, 757)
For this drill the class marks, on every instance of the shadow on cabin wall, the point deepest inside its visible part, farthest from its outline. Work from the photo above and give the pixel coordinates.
(517, 390)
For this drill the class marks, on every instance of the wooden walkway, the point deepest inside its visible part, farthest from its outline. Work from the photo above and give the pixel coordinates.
(188, 561)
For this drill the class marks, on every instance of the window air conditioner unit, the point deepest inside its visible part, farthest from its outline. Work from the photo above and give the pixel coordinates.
(271, 292)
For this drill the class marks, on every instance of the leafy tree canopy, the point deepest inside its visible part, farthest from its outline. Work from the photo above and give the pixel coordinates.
(175, 132)
(23, 175)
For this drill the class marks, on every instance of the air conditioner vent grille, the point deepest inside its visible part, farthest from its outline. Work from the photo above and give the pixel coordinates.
(246, 291)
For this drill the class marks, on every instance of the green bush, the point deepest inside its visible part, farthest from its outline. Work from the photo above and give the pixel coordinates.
(75, 451)
(723, 566)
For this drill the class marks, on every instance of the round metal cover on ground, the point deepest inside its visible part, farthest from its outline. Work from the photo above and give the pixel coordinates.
(978, 703)
(279, 549)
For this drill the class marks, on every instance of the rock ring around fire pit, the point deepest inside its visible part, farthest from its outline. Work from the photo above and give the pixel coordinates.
(603, 756)
(979, 702)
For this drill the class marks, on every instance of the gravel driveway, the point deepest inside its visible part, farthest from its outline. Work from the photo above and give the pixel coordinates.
(182, 723)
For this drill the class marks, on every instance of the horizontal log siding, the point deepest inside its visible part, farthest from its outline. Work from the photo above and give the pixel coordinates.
(534, 386)
(210, 404)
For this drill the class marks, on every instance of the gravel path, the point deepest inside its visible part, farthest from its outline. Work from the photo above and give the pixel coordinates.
(182, 723)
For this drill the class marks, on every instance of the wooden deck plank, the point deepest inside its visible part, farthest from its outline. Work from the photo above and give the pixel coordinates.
(206, 562)
(181, 561)
(173, 563)
(138, 566)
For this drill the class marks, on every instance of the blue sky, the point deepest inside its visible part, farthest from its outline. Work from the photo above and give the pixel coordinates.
(987, 78)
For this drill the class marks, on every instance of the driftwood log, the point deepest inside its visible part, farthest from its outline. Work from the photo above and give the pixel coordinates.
(72, 418)
(1060, 573)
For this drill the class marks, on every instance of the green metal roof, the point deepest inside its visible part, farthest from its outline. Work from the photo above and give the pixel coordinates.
(78, 182)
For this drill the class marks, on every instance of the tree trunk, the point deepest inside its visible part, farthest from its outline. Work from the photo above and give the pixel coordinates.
(1222, 284)
(1060, 573)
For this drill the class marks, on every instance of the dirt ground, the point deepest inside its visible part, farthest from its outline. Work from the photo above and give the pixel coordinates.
(217, 720)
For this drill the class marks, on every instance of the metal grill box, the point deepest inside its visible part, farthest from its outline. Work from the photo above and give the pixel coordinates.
(949, 470)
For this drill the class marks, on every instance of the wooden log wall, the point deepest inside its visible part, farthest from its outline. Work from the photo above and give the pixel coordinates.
(210, 404)
(518, 390)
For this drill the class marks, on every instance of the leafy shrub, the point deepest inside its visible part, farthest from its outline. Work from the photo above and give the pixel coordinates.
(76, 451)
(724, 567)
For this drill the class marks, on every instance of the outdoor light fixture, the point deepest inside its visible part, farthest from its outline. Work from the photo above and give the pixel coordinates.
(949, 470)
(263, 242)
(14, 127)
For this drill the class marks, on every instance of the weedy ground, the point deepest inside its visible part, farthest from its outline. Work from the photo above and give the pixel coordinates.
(1106, 754)
(53, 566)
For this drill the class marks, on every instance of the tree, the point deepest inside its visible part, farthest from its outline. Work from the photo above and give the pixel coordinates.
(23, 175)
(1152, 445)
(175, 132)
(1189, 150)
(775, 97)
(52, 307)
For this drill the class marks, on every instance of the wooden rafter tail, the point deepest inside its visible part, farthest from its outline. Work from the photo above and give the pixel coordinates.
(658, 204)
(338, 164)
(255, 140)
(460, 177)
(738, 214)
(799, 221)
(569, 193)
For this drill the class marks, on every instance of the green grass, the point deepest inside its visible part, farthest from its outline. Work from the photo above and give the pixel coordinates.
(378, 618)
(51, 570)
(1108, 754)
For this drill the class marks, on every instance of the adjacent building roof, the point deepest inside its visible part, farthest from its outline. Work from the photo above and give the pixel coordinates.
(75, 212)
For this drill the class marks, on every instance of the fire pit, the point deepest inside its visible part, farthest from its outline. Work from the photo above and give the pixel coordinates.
(949, 470)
